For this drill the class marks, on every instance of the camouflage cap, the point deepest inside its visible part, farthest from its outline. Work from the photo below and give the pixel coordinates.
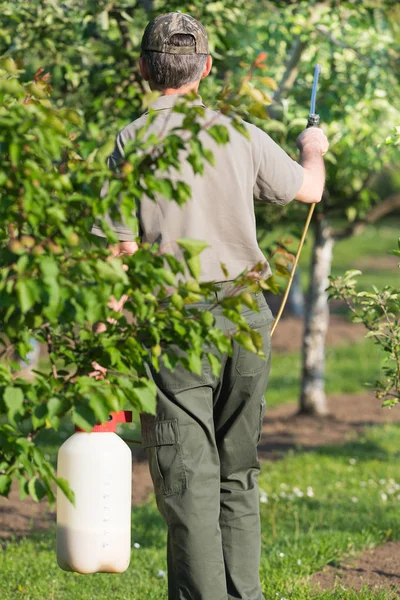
(158, 32)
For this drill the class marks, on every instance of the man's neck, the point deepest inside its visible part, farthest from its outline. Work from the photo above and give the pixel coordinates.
(186, 89)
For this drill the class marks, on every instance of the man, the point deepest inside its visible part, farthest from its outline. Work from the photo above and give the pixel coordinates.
(202, 442)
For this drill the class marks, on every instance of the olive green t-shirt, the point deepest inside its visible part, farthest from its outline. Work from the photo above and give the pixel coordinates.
(221, 209)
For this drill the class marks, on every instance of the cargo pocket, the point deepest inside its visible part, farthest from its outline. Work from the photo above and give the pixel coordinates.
(162, 440)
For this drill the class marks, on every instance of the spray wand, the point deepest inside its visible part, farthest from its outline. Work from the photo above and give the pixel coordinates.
(313, 121)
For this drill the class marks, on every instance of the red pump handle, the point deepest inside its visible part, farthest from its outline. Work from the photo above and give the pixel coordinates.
(110, 426)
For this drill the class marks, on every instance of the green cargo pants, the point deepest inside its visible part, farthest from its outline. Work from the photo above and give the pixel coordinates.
(202, 447)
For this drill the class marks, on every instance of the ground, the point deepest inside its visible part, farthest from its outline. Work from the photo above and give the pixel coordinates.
(376, 568)
(283, 430)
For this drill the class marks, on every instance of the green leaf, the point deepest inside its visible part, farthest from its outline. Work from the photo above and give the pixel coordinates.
(55, 406)
(245, 340)
(23, 487)
(144, 390)
(193, 363)
(351, 213)
(270, 284)
(222, 343)
(177, 300)
(5, 485)
(257, 340)
(14, 401)
(249, 301)
(99, 407)
(48, 267)
(224, 270)
(15, 153)
(194, 266)
(170, 360)
(207, 318)
(214, 363)
(26, 294)
(64, 487)
(282, 270)
(36, 489)
(239, 125)
(192, 247)
(219, 133)
(39, 416)
(84, 417)
(209, 156)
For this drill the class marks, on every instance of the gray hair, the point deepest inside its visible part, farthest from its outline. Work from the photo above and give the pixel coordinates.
(175, 70)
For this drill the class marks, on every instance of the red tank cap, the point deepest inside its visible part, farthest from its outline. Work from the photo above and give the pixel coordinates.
(110, 426)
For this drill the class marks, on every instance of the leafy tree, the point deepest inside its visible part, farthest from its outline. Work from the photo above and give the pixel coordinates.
(56, 283)
(357, 45)
(379, 311)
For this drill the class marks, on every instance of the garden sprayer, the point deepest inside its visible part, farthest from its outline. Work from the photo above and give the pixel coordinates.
(94, 533)
(313, 121)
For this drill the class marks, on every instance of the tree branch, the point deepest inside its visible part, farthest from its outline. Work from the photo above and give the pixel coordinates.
(124, 30)
(389, 205)
(323, 29)
(50, 349)
(291, 71)
(292, 64)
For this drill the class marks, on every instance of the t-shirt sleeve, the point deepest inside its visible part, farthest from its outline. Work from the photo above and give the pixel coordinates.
(122, 231)
(278, 178)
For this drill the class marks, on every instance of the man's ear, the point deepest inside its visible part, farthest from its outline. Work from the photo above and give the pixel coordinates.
(208, 66)
(144, 71)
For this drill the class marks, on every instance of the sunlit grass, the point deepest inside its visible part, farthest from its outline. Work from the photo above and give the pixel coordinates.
(316, 508)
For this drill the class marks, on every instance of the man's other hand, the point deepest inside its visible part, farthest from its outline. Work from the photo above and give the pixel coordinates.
(99, 371)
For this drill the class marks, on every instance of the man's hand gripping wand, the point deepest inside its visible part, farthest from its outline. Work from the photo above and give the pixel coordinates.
(313, 121)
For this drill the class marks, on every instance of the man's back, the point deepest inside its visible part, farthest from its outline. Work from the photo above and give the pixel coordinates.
(221, 208)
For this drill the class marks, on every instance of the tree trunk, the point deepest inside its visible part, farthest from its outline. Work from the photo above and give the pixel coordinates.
(313, 399)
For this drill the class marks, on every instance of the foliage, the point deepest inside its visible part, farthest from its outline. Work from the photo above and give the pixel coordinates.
(51, 273)
(317, 508)
(56, 283)
(379, 311)
(358, 96)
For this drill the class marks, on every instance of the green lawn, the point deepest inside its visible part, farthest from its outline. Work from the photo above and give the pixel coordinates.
(348, 369)
(316, 508)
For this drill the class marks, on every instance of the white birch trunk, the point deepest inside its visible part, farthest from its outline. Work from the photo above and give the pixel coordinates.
(313, 399)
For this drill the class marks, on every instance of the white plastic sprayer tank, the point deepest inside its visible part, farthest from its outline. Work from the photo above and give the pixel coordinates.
(94, 536)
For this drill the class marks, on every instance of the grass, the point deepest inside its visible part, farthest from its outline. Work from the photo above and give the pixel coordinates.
(348, 369)
(375, 242)
(315, 508)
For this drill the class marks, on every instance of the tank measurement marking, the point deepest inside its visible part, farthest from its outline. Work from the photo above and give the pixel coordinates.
(107, 507)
